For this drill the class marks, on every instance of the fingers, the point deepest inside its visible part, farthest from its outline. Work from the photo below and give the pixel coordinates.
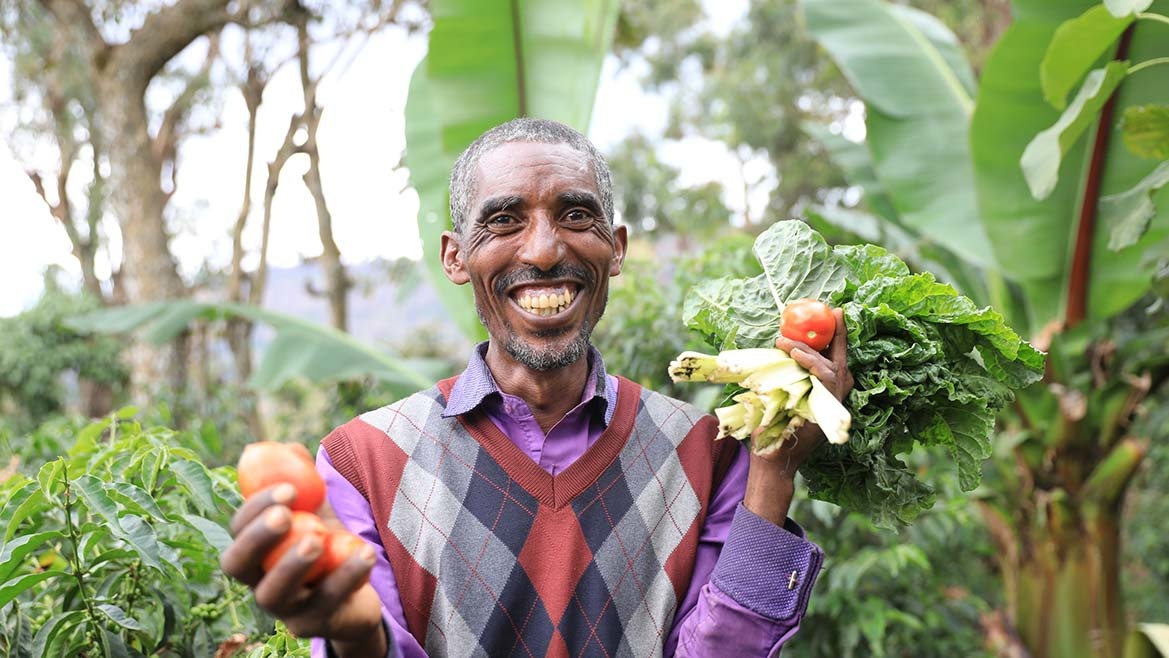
(281, 590)
(337, 586)
(307, 611)
(838, 348)
(281, 494)
(242, 559)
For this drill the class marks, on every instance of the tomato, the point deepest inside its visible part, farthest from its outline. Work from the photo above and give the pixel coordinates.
(339, 547)
(267, 463)
(810, 321)
(303, 525)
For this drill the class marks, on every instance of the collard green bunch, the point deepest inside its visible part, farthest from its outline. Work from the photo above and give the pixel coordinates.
(930, 367)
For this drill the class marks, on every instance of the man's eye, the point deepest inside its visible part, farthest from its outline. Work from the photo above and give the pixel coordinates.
(501, 221)
(578, 216)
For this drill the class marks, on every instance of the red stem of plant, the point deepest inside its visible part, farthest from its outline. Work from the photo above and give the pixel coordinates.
(1077, 302)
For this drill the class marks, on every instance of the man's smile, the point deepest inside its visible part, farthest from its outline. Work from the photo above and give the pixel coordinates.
(545, 300)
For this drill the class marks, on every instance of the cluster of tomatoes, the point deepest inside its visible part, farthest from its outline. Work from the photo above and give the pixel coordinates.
(267, 464)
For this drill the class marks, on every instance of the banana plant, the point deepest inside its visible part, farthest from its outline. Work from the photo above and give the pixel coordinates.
(1075, 217)
(299, 348)
(491, 61)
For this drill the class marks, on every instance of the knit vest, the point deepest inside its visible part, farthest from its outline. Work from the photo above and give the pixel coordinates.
(494, 556)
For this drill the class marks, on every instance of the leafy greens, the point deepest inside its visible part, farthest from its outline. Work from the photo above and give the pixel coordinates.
(930, 367)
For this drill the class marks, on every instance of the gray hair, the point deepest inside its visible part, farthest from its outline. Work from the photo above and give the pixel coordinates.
(524, 129)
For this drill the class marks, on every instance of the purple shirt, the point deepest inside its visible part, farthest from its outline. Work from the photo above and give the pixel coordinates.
(751, 579)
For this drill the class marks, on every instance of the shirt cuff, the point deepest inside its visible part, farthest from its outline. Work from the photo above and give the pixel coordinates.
(767, 569)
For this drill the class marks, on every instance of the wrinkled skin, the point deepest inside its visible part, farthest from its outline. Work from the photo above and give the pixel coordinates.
(536, 226)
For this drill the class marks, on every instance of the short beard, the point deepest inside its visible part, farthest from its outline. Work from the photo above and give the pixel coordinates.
(551, 358)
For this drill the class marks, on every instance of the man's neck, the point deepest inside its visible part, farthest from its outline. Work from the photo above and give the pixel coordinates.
(550, 394)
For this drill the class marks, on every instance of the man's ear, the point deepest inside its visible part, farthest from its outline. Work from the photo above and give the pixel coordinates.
(452, 259)
(620, 242)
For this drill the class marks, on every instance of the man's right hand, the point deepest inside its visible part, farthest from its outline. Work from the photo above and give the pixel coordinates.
(340, 607)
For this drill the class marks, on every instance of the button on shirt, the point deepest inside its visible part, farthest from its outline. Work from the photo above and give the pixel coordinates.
(751, 579)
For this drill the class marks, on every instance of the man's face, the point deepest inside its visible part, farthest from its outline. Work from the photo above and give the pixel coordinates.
(537, 251)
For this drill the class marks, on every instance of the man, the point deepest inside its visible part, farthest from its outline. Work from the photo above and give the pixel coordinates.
(536, 504)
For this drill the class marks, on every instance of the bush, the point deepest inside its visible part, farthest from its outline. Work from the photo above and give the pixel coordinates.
(113, 550)
(39, 354)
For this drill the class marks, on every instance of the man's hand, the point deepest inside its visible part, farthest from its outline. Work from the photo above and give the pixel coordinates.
(771, 478)
(338, 607)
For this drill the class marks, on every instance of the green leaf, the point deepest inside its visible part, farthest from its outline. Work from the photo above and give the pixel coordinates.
(918, 90)
(1128, 214)
(130, 528)
(300, 348)
(1009, 113)
(114, 646)
(12, 588)
(140, 536)
(27, 501)
(135, 499)
(66, 622)
(215, 535)
(119, 617)
(49, 477)
(195, 480)
(1126, 7)
(1075, 48)
(13, 552)
(1146, 130)
(490, 62)
(94, 494)
(1043, 156)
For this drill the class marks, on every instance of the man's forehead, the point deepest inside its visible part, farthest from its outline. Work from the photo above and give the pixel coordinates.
(513, 164)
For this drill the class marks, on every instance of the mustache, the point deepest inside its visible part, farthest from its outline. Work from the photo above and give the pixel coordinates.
(536, 275)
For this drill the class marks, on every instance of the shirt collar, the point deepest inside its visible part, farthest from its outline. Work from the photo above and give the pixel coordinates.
(476, 383)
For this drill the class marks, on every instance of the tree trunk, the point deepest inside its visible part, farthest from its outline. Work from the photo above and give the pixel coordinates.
(149, 272)
(1060, 557)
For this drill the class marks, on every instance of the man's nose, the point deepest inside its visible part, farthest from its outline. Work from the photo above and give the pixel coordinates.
(542, 246)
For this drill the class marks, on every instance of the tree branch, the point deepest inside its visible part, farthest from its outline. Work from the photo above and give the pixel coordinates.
(164, 34)
(165, 142)
(74, 15)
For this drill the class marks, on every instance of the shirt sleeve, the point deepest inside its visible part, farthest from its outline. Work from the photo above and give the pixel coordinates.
(353, 511)
(751, 581)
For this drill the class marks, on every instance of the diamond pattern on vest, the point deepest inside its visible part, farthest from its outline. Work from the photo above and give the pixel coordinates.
(519, 578)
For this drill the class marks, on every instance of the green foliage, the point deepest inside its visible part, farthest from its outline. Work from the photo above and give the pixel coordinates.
(917, 594)
(931, 368)
(300, 348)
(113, 549)
(651, 201)
(643, 329)
(39, 351)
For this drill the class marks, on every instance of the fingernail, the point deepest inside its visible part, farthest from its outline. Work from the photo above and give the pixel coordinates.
(309, 548)
(276, 518)
(283, 493)
(366, 554)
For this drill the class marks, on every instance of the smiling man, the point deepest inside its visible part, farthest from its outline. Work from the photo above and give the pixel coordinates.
(536, 504)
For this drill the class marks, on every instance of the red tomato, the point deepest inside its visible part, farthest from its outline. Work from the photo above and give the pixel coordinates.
(339, 547)
(303, 525)
(267, 463)
(810, 321)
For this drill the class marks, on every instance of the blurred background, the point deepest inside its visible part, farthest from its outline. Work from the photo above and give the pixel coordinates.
(220, 225)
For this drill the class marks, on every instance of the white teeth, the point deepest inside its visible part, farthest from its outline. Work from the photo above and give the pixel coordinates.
(546, 304)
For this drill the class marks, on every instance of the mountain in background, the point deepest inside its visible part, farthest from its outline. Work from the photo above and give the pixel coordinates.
(392, 304)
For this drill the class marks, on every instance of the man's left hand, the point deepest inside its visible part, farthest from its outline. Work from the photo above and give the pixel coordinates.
(771, 478)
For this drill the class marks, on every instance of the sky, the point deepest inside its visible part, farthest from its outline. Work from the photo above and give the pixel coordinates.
(360, 137)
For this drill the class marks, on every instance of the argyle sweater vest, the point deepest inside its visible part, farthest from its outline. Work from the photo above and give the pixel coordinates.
(493, 556)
